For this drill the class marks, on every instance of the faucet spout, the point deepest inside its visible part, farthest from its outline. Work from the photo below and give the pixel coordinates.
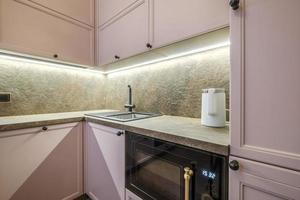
(129, 106)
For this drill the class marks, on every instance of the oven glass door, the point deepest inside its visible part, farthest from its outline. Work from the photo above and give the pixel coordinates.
(155, 170)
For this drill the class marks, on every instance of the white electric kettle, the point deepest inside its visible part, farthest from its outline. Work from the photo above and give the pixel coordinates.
(213, 111)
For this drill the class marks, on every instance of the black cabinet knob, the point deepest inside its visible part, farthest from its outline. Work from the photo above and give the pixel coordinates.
(149, 46)
(235, 4)
(55, 56)
(120, 133)
(44, 128)
(117, 57)
(234, 165)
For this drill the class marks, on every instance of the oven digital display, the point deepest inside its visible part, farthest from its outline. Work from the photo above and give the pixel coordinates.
(209, 174)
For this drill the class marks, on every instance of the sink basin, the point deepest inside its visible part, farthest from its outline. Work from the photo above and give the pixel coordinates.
(124, 116)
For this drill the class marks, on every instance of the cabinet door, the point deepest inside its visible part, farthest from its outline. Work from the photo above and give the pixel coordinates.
(264, 182)
(110, 8)
(131, 196)
(181, 19)
(30, 28)
(265, 93)
(126, 35)
(104, 163)
(41, 164)
(81, 10)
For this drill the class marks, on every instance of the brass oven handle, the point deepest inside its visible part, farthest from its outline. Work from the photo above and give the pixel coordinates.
(188, 173)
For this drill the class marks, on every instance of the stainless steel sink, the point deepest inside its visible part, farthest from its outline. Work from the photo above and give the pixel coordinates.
(124, 116)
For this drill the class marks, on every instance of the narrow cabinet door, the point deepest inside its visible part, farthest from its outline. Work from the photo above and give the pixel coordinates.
(110, 8)
(175, 20)
(259, 181)
(42, 163)
(126, 35)
(104, 162)
(265, 81)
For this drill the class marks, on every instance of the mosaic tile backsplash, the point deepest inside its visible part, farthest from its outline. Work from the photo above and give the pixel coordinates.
(172, 87)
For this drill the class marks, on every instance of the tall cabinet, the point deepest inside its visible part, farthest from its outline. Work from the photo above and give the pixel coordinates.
(265, 98)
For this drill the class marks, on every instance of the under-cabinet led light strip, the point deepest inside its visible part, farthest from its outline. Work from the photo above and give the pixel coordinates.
(11, 56)
(207, 48)
(23, 58)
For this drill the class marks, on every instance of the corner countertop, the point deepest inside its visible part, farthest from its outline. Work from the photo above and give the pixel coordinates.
(181, 130)
(28, 121)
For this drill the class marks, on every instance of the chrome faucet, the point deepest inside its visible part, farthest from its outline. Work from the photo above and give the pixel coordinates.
(130, 106)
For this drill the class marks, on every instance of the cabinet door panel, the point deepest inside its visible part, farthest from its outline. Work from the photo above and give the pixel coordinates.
(180, 19)
(109, 9)
(38, 164)
(131, 196)
(29, 30)
(265, 83)
(104, 163)
(126, 36)
(81, 10)
(260, 181)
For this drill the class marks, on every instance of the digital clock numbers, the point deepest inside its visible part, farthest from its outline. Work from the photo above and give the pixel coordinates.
(209, 174)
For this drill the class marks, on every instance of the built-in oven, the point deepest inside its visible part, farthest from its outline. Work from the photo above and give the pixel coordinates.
(160, 170)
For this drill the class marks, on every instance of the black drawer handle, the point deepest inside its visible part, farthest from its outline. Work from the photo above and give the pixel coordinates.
(45, 128)
(149, 46)
(235, 4)
(55, 56)
(117, 57)
(234, 165)
(120, 133)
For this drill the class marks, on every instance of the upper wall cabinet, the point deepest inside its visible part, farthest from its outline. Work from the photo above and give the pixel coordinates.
(109, 8)
(265, 92)
(126, 35)
(81, 10)
(180, 19)
(130, 27)
(51, 29)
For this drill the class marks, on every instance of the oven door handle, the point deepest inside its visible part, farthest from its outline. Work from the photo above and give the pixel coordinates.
(188, 173)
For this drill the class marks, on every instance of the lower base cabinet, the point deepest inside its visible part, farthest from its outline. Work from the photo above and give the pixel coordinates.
(43, 163)
(104, 149)
(254, 180)
(131, 196)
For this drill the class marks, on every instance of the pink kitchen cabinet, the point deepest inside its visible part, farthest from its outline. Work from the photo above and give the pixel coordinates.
(42, 163)
(125, 35)
(258, 181)
(104, 152)
(131, 196)
(174, 21)
(50, 29)
(108, 9)
(265, 94)
(80, 10)
(265, 98)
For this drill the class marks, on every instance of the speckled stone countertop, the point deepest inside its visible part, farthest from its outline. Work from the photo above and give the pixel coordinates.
(29, 121)
(180, 130)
